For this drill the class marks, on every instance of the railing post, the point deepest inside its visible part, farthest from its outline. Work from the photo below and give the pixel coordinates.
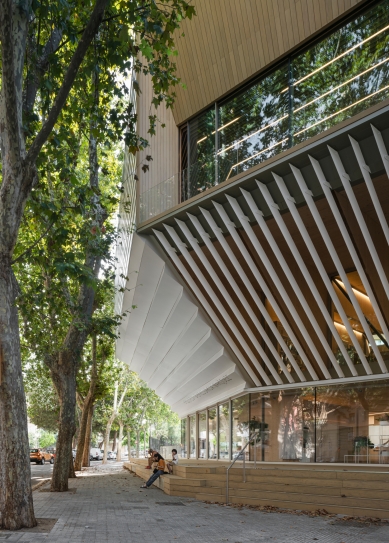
(227, 487)
(244, 467)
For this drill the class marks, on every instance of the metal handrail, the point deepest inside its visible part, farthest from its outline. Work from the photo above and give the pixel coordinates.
(251, 437)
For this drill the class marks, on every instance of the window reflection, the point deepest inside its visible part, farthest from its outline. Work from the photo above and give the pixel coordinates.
(240, 427)
(224, 431)
(341, 75)
(202, 434)
(212, 433)
(183, 437)
(192, 436)
(353, 424)
(286, 420)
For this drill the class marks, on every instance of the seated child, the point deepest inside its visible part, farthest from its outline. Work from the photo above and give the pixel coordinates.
(174, 461)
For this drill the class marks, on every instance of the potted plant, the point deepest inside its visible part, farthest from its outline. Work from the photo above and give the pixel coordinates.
(361, 444)
(384, 420)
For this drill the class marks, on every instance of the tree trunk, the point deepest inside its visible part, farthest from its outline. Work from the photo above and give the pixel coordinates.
(72, 473)
(137, 442)
(114, 440)
(106, 441)
(86, 455)
(16, 507)
(129, 442)
(120, 440)
(64, 379)
(82, 435)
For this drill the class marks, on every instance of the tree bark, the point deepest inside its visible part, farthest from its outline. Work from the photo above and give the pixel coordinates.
(16, 507)
(119, 443)
(18, 178)
(87, 444)
(137, 442)
(114, 440)
(86, 408)
(129, 442)
(63, 373)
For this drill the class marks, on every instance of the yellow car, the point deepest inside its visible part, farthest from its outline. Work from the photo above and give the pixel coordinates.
(40, 457)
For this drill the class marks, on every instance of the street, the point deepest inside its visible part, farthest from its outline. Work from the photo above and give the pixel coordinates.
(38, 472)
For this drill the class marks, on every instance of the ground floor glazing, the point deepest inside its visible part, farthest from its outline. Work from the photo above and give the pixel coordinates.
(346, 423)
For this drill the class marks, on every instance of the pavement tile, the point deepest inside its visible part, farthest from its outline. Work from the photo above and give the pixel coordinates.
(109, 506)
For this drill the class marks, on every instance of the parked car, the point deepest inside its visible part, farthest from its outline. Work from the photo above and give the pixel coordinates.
(95, 454)
(74, 451)
(111, 455)
(40, 456)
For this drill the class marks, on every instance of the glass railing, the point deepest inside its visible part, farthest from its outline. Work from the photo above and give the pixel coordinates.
(339, 76)
(160, 198)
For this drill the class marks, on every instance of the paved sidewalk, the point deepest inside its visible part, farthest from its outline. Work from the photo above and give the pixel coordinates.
(109, 506)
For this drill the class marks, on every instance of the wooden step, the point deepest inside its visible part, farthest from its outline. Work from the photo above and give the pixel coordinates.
(301, 506)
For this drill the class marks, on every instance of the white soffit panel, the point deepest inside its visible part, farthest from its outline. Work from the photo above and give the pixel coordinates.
(166, 338)
(226, 385)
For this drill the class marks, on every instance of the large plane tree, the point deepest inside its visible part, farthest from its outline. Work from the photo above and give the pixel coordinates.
(43, 47)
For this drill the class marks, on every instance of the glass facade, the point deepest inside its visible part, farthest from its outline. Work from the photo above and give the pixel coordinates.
(240, 427)
(192, 436)
(224, 431)
(212, 433)
(341, 75)
(184, 423)
(202, 448)
(346, 423)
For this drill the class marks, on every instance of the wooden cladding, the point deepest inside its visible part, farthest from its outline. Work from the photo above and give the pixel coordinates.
(230, 41)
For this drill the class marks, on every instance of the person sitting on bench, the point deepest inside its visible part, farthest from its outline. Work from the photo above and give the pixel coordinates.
(158, 471)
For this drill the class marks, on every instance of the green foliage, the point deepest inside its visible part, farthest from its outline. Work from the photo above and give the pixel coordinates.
(42, 400)
(47, 439)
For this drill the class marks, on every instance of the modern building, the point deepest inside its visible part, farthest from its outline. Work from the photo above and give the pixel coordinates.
(256, 259)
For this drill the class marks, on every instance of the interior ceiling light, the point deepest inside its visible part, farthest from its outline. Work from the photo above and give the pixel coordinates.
(273, 123)
(342, 85)
(257, 154)
(341, 55)
(340, 110)
(343, 326)
(221, 128)
(354, 289)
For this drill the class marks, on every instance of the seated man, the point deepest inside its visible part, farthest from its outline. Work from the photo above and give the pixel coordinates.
(158, 471)
(174, 461)
(150, 458)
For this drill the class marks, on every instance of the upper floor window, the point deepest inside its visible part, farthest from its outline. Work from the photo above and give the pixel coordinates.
(341, 75)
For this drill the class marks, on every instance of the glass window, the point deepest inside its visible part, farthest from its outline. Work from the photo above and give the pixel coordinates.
(212, 433)
(353, 423)
(192, 436)
(202, 434)
(224, 431)
(199, 174)
(240, 427)
(253, 125)
(183, 437)
(286, 420)
(341, 75)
